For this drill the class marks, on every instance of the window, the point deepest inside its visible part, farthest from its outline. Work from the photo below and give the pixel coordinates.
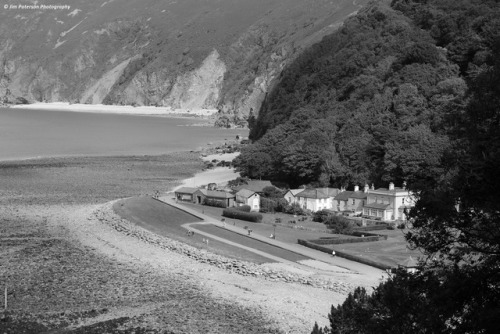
(353, 201)
(403, 200)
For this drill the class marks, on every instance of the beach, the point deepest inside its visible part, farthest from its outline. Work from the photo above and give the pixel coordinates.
(116, 109)
(66, 263)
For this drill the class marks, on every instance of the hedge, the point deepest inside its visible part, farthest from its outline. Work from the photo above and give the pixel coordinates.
(359, 237)
(248, 216)
(343, 240)
(365, 234)
(371, 228)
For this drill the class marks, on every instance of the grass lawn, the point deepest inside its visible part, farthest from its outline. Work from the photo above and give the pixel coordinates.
(283, 231)
(166, 220)
(249, 242)
(392, 251)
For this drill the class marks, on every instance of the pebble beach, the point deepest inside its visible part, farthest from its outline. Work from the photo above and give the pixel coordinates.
(70, 263)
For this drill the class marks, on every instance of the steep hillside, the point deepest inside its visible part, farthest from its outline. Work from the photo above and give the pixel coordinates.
(377, 101)
(214, 54)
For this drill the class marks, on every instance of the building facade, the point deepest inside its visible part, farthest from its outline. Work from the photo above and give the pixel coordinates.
(248, 197)
(388, 203)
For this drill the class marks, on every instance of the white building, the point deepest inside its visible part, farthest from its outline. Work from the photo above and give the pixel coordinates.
(316, 199)
(291, 194)
(248, 197)
(388, 203)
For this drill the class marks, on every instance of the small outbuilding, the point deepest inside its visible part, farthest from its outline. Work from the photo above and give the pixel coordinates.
(248, 197)
(186, 194)
(214, 197)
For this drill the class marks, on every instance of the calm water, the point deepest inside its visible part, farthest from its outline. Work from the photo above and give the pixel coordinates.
(43, 133)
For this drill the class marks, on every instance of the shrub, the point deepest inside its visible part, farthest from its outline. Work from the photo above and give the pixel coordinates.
(244, 208)
(321, 216)
(294, 209)
(267, 205)
(248, 216)
(339, 224)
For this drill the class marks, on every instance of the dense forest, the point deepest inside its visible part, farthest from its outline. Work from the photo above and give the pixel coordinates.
(407, 91)
(373, 102)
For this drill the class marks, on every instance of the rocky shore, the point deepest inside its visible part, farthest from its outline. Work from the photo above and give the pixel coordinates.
(72, 266)
(234, 266)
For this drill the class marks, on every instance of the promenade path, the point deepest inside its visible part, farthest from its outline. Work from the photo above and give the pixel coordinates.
(333, 263)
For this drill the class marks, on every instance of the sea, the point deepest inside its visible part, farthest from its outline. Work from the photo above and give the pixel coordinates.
(29, 134)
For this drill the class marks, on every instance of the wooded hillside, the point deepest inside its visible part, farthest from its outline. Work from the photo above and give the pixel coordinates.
(376, 101)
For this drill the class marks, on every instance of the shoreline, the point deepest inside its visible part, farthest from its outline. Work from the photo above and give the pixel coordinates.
(117, 109)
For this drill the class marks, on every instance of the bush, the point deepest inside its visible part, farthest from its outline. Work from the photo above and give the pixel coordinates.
(274, 204)
(321, 216)
(294, 209)
(244, 208)
(339, 224)
(267, 205)
(248, 216)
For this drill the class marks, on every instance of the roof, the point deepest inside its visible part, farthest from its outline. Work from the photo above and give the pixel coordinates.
(255, 185)
(295, 191)
(312, 193)
(386, 190)
(343, 196)
(358, 195)
(330, 192)
(186, 190)
(380, 206)
(216, 193)
(245, 193)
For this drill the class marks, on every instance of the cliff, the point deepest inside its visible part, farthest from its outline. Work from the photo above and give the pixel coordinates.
(188, 54)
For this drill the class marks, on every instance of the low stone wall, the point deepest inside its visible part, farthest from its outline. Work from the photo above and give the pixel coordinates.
(243, 268)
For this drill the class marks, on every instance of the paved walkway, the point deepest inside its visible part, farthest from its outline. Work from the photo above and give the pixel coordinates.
(352, 266)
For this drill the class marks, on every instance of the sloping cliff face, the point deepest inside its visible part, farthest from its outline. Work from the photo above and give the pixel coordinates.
(216, 54)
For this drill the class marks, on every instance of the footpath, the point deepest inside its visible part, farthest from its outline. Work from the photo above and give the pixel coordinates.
(333, 261)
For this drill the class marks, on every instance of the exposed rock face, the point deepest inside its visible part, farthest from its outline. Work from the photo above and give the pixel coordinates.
(219, 54)
(199, 88)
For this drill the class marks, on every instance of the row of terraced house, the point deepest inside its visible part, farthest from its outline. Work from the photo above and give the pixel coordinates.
(387, 204)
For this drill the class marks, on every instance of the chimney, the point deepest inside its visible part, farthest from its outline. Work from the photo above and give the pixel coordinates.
(373, 187)
(366, 188)
(391, 186)
(356, 188)
(404, 185)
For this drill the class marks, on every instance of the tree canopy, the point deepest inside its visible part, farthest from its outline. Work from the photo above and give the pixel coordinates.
(456, 220)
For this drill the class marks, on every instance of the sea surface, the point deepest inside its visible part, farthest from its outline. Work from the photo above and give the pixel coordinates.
(27, 134)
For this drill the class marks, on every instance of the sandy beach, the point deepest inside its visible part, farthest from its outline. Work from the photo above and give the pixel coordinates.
(67, 264)
(115, 109)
